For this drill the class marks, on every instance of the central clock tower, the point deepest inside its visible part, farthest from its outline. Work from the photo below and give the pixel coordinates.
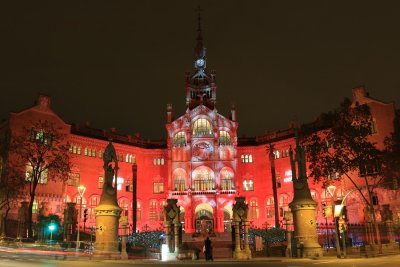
(202, 153)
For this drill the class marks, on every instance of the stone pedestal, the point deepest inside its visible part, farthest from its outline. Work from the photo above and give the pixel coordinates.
(305, 229)
(107, 221)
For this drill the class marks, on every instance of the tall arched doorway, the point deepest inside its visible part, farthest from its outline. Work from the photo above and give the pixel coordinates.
(204, 218)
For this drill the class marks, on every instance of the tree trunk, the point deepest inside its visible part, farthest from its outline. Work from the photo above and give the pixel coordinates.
(30, 223)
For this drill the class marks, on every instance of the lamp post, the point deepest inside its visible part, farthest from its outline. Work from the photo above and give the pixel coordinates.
(81, 191)
(52, 227)
(331, 190)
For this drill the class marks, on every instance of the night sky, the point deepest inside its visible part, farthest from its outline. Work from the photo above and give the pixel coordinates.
(118, 63)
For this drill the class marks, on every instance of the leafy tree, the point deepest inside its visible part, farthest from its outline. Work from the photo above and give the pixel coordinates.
(10, 192)
(10, 187)
(338, 147)
(391, 166)
(40, 153)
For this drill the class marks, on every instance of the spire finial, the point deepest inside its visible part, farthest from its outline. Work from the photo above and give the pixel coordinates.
(199, 10)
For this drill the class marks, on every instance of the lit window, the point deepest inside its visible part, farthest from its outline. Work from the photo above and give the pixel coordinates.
(276, 154)
(248, 185)
(203, 181)
(29, 175)
(202, 127)
(253, 210)
(224, 138)
(179, 183)
(138, 211)
(123, 204)
(247, 158)
(120, 181)
(270, 207)
(158, 187)
(180, 139)
(158, 161)
(129, 186)
(285, 153)
(100, 182)
(74, 179)
(153, 210)
(226, 181)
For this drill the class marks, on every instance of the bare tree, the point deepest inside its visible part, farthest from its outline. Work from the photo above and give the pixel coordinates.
(40, 152)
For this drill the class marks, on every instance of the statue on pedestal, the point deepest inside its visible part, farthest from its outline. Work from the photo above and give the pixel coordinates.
(108, 212)
(303, 206)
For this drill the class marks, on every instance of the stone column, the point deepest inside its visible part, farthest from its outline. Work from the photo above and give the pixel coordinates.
(246, 236)
(168, 235)
(124, 223)
(176, 236)
(237, 236)
(240, 210)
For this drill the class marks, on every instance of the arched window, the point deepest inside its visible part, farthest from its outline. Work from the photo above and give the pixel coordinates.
(224, 138)
(123, 204)
(253, 210)
(138, 211)
(153, 210)
(202, 127)
(179, 183)
(180, 139)
(203, 180)
(283, 204)
(226, 179)
(270, 207)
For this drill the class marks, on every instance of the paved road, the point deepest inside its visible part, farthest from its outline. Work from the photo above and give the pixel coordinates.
(17, 260)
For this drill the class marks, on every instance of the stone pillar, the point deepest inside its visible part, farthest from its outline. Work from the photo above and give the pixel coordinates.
(246, 236)
(237, 237)
(168, 235)
(177, 229)
(124, 254)
(172, 213)
(69, 221)
(107, 222)
(240, 210)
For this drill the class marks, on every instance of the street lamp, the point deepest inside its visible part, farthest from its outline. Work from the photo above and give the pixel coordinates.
(81, 191)
(51, 227)
(331, 190)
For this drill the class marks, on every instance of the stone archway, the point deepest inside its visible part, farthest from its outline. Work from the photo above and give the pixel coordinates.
(204, 218)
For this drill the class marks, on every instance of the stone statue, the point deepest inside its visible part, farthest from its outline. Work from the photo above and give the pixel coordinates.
(299, 174)
(303, 206)
(109, 195)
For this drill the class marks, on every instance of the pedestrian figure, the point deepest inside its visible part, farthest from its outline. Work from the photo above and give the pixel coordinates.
(208, 249)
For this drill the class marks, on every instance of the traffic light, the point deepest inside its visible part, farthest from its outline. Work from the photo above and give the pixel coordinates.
(85, 214)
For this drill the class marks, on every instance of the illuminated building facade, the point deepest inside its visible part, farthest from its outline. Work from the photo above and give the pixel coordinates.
(202, 163)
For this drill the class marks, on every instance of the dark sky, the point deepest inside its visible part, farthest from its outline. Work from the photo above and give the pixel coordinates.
(118, 63)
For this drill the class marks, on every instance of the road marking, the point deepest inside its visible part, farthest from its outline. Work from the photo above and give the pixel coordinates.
(322, 262)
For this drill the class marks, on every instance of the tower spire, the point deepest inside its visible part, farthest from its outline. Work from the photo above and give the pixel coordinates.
(199, 50)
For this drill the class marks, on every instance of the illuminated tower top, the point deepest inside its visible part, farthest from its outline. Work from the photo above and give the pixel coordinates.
(200, 85)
